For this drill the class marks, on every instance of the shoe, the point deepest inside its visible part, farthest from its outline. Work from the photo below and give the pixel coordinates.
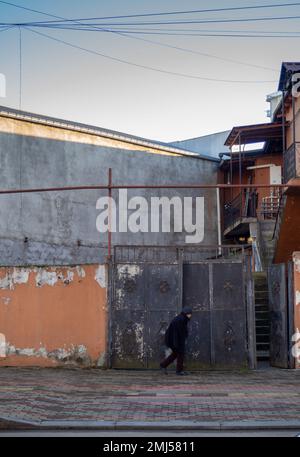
(163, 370)
(182, 373)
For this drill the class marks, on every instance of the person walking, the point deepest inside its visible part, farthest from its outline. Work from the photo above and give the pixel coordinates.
(175, 339)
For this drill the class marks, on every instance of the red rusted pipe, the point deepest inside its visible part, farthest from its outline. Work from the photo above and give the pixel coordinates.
(141, 186)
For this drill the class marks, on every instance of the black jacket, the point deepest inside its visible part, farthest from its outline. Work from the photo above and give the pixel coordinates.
(177, 333)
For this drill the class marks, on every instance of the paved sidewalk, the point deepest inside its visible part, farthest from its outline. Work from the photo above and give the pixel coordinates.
(123, 399)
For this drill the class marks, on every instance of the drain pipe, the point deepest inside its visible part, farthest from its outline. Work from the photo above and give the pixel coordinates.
(219, 220)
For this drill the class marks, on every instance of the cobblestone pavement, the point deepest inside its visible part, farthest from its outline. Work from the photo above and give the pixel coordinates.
(35, 394)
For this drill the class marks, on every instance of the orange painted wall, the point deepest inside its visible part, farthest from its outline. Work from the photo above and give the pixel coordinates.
(262, 175)
(296, 259)
(54, 315)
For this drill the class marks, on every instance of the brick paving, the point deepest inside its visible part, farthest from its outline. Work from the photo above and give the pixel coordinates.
(36, 394)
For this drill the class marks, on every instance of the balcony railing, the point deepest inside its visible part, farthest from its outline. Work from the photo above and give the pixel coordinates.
(292, 162)
(269, 206)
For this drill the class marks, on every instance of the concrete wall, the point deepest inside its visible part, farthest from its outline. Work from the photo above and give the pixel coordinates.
(60, 228)
(53, 316)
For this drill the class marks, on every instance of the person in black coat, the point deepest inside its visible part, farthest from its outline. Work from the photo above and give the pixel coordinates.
(175, 338)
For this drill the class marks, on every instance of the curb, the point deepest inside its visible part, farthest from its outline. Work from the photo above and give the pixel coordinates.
(16, 424)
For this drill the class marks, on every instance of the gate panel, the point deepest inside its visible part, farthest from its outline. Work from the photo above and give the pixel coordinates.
(196, 294)
(128, 317)
(228, 319)
(162, 290)
(278, 316)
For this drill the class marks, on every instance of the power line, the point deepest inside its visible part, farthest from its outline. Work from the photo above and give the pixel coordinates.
(145, 67)
(179, 22)
(166, 13)
(182, 32)
(120, 60)
(173, 47)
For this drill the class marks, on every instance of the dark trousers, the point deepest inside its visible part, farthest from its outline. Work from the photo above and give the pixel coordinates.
(174, 355)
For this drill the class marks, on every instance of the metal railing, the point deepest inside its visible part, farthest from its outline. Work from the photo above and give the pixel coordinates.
(269, 206)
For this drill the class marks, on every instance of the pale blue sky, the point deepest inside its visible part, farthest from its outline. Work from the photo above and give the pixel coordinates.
(64, 82)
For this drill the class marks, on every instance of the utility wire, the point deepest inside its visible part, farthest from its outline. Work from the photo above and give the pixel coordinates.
(166, 13)
(127, 35)
(178, 22)
(120, 60)
(185, 75)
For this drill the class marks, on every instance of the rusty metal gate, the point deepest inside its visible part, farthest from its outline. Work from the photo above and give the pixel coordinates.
(149, 286)
(280, 286)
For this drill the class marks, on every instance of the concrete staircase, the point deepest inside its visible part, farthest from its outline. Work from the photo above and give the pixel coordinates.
(262, 316)
(267, 242)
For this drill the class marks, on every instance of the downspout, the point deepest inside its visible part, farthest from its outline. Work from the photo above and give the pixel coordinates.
(219, 221)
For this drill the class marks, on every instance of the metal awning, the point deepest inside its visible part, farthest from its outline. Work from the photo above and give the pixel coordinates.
(257, 133)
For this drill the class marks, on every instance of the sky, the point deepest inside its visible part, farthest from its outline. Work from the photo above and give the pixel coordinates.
(61, 81)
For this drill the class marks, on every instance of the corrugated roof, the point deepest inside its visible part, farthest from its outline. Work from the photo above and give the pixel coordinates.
(99, 131)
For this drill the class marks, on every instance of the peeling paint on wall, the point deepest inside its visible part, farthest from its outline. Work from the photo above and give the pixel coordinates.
(76, 354)
(297, 297)
(296, 259)
(44, 277)
(2, 345)
(80, 271)
(100, 276)
(101, 361)
(14, 276)
(53, 316)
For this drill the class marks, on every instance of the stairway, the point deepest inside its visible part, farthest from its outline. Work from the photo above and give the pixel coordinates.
(268, 243)
(262, 316)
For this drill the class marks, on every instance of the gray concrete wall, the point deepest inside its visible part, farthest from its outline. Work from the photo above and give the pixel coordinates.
(60, 227)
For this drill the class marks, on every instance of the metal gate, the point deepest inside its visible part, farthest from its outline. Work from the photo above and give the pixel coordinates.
(281, 315)
(150, 285)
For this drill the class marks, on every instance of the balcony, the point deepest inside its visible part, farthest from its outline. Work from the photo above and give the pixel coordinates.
(291, 162)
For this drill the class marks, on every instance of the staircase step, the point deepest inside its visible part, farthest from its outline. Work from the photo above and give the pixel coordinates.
(263, 305)
(262, 347)
(263, 331)
(263, 355)
(262, 339)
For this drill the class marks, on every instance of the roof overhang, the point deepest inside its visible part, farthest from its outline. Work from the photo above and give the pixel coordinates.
(257, 133)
